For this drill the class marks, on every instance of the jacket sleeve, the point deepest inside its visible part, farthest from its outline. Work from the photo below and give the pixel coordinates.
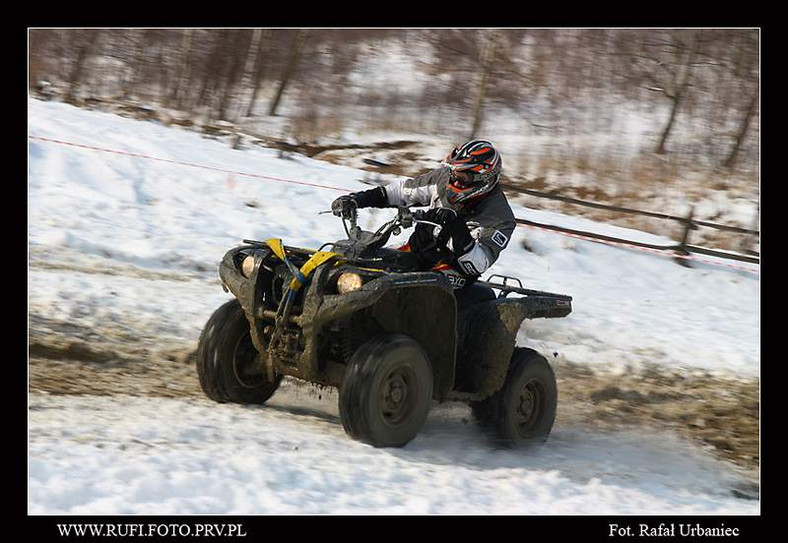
(420, 190)
(492, 230)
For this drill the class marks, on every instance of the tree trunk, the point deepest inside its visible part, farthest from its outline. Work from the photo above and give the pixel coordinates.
(248, 68)
(237, 54)
(37, 40)
(78, 70)
(486, 64)
(165, 77)
(745, 125)
(678, 96)
(139, 41)
(175, 96)
(258, 70)
(211, 74)
(668, 127)
(289, 70)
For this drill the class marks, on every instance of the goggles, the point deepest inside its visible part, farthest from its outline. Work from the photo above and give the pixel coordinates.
(461, 179)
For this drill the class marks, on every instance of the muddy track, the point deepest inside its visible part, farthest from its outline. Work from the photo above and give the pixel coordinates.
(719, 414)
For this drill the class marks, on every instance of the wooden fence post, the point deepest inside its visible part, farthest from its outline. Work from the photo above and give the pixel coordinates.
(748, 241)
(681, 248)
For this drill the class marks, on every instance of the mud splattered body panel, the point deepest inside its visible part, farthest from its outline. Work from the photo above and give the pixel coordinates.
(469, 352)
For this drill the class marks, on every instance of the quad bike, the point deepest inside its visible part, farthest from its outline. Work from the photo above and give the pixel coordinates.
(365, 319)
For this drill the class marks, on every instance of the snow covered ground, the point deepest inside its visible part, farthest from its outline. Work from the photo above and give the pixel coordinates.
(114, 238)
(90, 455)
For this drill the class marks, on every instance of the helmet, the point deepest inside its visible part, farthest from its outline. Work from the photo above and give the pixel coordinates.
(475, 167)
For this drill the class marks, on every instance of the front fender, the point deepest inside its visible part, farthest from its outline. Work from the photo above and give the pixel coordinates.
(420, 305)
(247, 291)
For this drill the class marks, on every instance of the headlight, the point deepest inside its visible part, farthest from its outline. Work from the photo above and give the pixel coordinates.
(348, 282)
(247, 266)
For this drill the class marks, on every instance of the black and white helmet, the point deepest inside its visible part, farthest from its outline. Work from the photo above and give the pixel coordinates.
(475, 168)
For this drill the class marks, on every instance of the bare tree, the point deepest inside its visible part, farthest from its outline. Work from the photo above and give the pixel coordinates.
(745, 68)
(238, 49)
(84, 43)
(551, 78)
(677, 83)
(213, 67)
(742, 132)
(258, 69)
(290, 69)
(39, 42)
(176, 91)
(143, 55)
(486, 62)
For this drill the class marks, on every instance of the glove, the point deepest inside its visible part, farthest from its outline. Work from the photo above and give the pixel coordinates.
(344, 206)
(461, 239)
(441, 215)
(454, 226)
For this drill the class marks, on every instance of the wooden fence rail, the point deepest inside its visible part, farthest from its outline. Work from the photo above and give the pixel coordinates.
(620, 209)
(682, 248)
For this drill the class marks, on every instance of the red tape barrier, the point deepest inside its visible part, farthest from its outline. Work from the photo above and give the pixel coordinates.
(190, 164)
(330, 187)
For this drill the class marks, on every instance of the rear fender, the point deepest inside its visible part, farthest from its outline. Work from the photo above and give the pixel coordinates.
(489, 332)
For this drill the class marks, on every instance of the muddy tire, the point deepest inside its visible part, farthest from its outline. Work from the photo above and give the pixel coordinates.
(227, 362)
(523, 411)
(386, 391)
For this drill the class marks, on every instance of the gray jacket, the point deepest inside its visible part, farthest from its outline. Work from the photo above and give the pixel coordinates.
(491, 221)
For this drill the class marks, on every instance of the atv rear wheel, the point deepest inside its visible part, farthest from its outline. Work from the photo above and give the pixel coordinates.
(523, 411)
(386, 391)
(228, 364)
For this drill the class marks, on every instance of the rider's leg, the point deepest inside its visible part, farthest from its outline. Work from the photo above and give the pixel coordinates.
(473, 294)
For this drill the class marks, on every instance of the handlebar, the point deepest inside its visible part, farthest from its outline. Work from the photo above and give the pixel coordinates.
(406, 218)
(362, 241)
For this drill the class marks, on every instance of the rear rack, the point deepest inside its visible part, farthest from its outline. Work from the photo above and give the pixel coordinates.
(505, 288)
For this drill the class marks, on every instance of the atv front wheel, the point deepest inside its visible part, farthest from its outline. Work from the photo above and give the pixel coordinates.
(386, 391)
(228, 364)
(523, 411)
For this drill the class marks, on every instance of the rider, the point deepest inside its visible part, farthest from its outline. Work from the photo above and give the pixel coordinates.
(466, 201)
